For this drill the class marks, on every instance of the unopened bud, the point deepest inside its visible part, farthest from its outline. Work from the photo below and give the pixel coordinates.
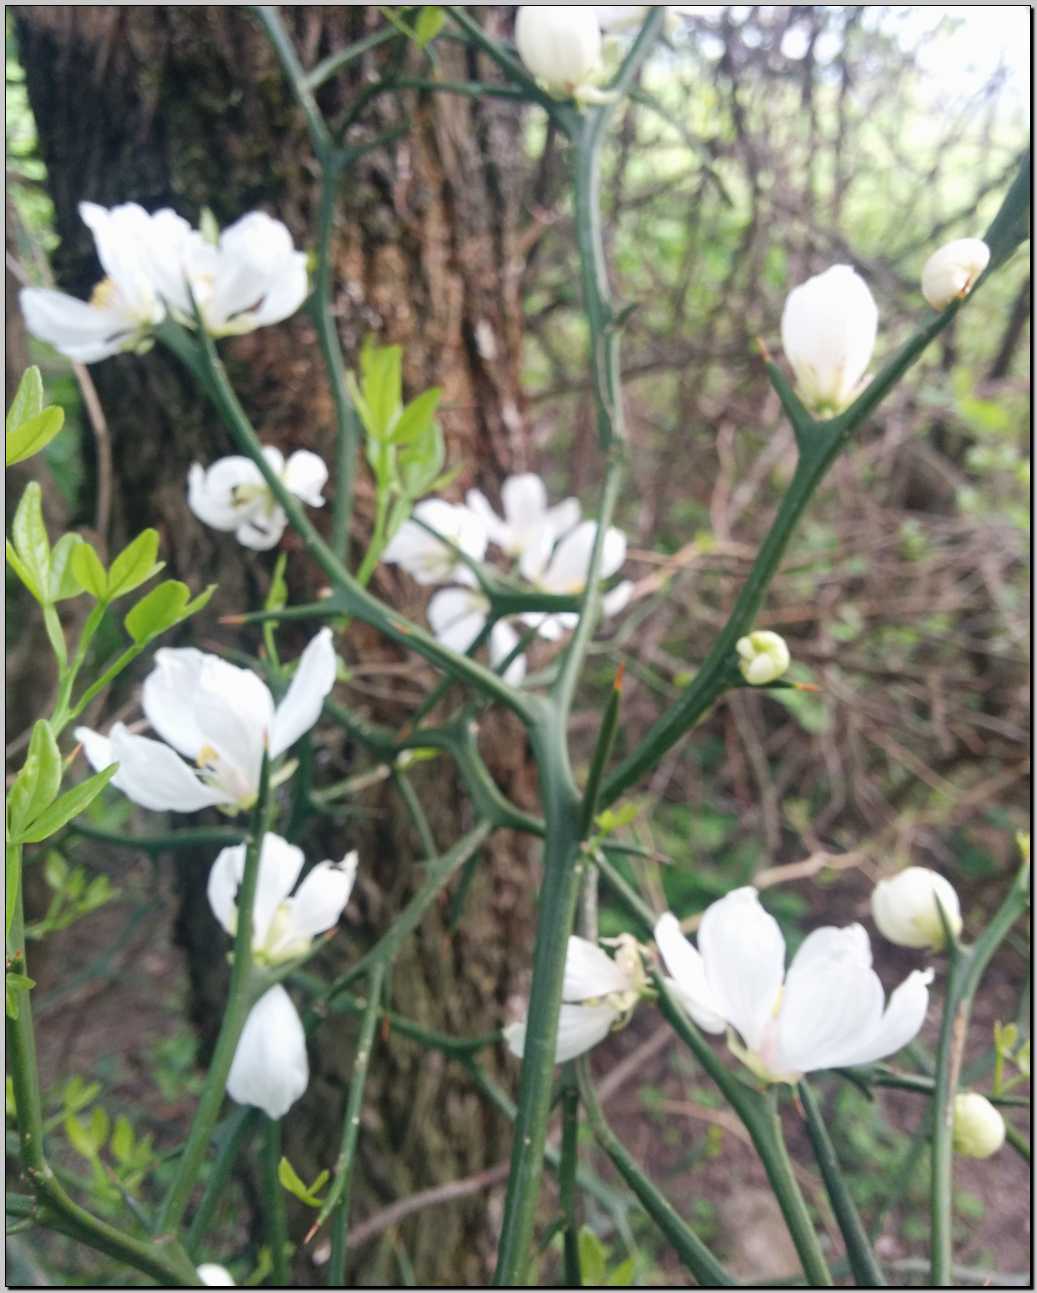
(828, 332)
(950, 272)
(559, 44)
(905, 910)
(763, 657)
(979, 1130)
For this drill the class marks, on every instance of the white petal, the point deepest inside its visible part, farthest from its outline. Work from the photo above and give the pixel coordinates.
(579, 1028)
(497, 530)
(689, 974)
(224, 882)
(567, 571)
(744, 955)
(79, 330)
(900, 1024)
(167, 694)
(279, 867)
(313, 679)
(828, 1005)
(123, 236)
(305, 474)
(828, 331)
(214, 1276)
(524, 500)
(234, 710)
(563, 517)
(321, 898)
(263, 530)
(590, 972)
(831, 944)
(153, 776)
(270, 1068)
(260, 278)
(560, 44)
(617, 599)
(457, 617)
(228, 493)
(504, 640)
(98, 750)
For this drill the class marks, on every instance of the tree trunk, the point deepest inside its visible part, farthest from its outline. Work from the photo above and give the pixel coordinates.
(188, 107)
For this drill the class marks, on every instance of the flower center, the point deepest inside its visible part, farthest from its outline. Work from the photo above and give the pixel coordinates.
(104, 294)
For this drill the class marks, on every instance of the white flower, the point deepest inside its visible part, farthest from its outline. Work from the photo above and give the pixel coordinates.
(979, 1130)
(217, 715)
(270, 1068)
(428, 559)
(950, 272)
(457, 617)
(598, 996)
(905, 910)
(826, 1012)
(763, 657)
(560, 45)
(124, 306)
(564, 571)
(828, 331)
(232, 494)
(528, 522)
(251, 277)
(213, 1276)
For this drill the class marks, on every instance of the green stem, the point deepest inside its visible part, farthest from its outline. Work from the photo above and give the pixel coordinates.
(567, 1176)
(202, 837)
(343, 57)
(61, 714)
(243, 994)
(1018, 1141)
(866, 1269)
(273, 1204)
(321, 138)
(336, 1204)
(241, 1125)
(688, 1246)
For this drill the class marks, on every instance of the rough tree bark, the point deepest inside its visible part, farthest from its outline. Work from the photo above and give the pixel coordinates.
(187, 106)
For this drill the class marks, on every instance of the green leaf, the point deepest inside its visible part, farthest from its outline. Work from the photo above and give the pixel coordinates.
(15, 983)
(134, 565)
(30, 537)
(592, 1258)
(55, 870)
(23, 572)
(421, 461)
(277, 597)
(430, 22)
(27, 402)
(38, 781)
(99, 1125)
(159, 610)
(417, 418)
(89, 570)
(78, 1094)
(290, 1181)
(33, 435)
(70, 805)
(382, 368)
(122, 1139)
(63, 582)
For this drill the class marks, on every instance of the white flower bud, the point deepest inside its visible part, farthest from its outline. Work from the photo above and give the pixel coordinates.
(950, 272)
(559, 44)
(828, 332)
(905, 910)
(979, 1130)
(763, 657)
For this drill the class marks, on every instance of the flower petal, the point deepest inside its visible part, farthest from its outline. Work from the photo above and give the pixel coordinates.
(590, 972)
(123, 236)
(828, 1005)
(299, 710)
(78, 330)
(828, 943)
(901, 1022)
(563, 517)
(306, 474)
(617, 599)
(234, 711)
(214, 1276)
(228, 493)
(270, 1068)
(224, 882)
(567, 571)
(689, 974)
(457, 616)
(744, 954)
(153, 776)
(579, 1028)
(166, 697)
(262, 531)
(321, 898)
(524, 500)
(496, 529)
(504, 640)
(279, 867)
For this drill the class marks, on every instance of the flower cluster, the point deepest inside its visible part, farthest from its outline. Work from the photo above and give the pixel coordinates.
(270, 1068)
(246, 277)
(232, 494)
(830, 322)
(550, 548)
